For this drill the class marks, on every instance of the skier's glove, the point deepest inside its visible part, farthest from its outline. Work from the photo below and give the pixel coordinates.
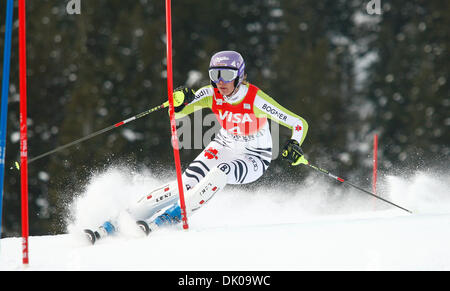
(182, 96)
(292, 152)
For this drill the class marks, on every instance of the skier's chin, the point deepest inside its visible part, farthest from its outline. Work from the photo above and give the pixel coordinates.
(225, 91)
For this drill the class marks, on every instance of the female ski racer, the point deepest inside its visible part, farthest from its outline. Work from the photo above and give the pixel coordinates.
(240, 153)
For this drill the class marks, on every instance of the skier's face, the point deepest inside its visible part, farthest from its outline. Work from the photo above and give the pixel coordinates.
(225, 88)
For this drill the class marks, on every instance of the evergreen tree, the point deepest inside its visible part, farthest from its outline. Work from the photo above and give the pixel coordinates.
(408, 84)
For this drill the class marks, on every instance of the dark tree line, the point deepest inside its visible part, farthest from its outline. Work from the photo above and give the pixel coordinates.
(348, 73)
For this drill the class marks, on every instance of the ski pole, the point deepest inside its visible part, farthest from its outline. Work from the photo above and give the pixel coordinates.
(118, 124)
(305, 162)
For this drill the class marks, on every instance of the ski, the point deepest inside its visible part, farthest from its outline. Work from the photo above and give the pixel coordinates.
(91, 235)
(144, 227)
(170, 216)
(104, 230)
(107, 229)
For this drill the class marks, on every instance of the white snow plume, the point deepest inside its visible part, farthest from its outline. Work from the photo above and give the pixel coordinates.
(316, 197)
(107, 195)
(315, 225)
(424, 192)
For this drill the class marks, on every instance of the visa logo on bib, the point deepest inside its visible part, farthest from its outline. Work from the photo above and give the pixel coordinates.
(235, 117)
(238, 119)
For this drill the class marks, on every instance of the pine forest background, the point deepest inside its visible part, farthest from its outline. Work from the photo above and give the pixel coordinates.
(348, 73)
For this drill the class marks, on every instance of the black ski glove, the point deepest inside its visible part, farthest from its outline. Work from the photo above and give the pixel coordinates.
(292, 152)
(182, 96)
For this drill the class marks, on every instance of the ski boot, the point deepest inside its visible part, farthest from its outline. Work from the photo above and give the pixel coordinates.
(104, 230)
(170, 217)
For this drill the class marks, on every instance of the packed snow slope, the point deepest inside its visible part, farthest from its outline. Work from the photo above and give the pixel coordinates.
(316, 225)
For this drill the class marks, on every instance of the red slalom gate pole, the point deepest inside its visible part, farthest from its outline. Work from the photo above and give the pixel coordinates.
(23, 130)
(375, 164)
(173, 124)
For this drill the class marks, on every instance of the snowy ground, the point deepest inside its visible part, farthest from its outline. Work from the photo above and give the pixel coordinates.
(320, 226)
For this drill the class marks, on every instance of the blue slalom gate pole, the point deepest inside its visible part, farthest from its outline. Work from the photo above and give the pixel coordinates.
(4, 105)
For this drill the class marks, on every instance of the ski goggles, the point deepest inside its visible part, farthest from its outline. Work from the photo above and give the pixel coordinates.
(225, 74)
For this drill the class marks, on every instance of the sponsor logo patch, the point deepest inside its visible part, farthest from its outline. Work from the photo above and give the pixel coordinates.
(211, 153)
(274, 111)
(225, 168)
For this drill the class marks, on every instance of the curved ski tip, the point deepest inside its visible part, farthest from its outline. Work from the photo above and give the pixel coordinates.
(90, 235)
(144, 226)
